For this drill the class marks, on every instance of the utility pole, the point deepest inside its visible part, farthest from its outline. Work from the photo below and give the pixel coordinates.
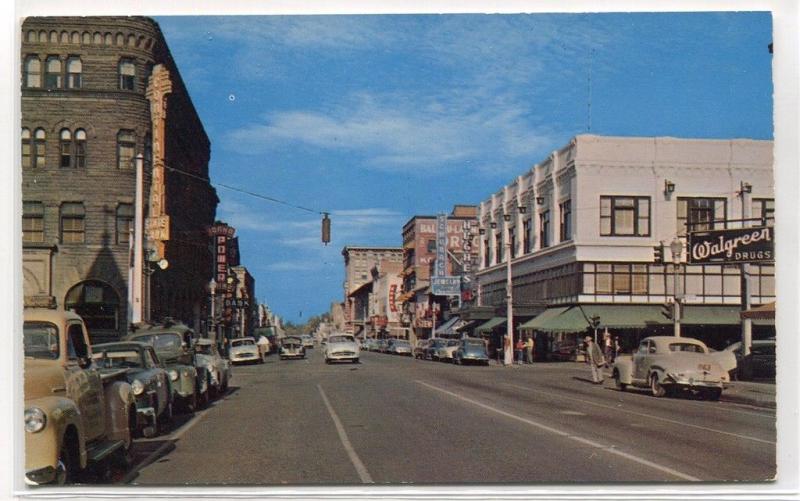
(676, 246)
(508, 352)
(744, 271)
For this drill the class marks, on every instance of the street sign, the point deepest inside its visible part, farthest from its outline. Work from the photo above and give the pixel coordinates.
(740, 245)
(446, 286)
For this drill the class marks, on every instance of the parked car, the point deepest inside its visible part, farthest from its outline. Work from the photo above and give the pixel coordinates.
(419, 348)
(308, 341)
(219, 368)
(667, 364)
(292, 347)
(75, 416)
(432, 350)
(341, 347)
(174, 347)
(760, 363)
(371, 344)
(446, 352)
(471, 350)
(150, 382)
(382, 345)
(400, 347)
(245, 350)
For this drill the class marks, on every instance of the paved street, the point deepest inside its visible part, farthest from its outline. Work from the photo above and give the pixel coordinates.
(397, 420)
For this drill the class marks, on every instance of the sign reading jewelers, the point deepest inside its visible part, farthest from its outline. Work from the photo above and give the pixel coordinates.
(741, 245)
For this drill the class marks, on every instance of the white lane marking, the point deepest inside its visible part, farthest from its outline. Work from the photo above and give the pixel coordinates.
(642, 414)
(572, 413)
(359, 466)
(590, 443)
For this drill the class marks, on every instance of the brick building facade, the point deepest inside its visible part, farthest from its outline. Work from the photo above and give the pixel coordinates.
(87, 111)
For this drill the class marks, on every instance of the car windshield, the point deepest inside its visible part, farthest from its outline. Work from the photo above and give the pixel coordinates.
(694, 348)
(402, 343)
(438, 343)
(204, 349)
(119, 358)
(341, 339)
(243, 342)
(162, 342)
(474, 342)
(40, 340)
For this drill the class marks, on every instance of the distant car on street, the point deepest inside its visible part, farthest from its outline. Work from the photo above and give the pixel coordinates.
(245, 350)
(292, 347)
(382, 345)
(419, 348)
(219, 368)
(668, 364)
(445, 353)
(434, 345)
(472, 351)
(308, 341)
(399, 347)
(341, 347)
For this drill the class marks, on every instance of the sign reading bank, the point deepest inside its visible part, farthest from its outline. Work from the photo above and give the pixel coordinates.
(741, 245)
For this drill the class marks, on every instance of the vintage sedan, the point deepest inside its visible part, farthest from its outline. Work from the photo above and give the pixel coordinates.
(434, 345)
(472, 351)
(244, 351)
(151, 383)
(218, 367)
(292, 347)
(668, 364)
(341, 347)
(399, 347)
(173, 346)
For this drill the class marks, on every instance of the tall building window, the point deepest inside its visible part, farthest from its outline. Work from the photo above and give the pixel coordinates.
(33, 72)
(526, 236)
(26, 147)
(74, 70)
(625, 216)
(124, 223)
(52, 74)
(65, 148)
(431, 246)
(126, 147)
(565, 231)
(512, 242)
(72, 223)
(498, 248)
(544, 229)
(127, 74)
(39, 143)
(699, 214)
(80, 148)
(764, 209)
(486, 262)
(32, 222)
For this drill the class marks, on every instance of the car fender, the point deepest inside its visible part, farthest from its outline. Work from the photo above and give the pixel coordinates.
(119, 399)
(623, 365)
(43, 447)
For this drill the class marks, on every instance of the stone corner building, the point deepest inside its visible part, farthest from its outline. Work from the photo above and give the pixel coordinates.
(89, 106)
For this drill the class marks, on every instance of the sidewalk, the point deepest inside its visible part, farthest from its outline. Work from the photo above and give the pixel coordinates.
(757, 394)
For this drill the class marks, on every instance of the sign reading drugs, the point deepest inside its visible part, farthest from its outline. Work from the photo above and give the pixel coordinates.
(741, 245)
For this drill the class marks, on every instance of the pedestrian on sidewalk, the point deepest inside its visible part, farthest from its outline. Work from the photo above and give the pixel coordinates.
(607, 348)
(529, 349)
(518, 348)
(596, 360)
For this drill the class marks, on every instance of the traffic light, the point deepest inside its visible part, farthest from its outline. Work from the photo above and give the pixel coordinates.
(658, 254)
(326, 229)
(666, 310)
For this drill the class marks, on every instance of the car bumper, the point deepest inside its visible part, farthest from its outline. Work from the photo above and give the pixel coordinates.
(42, 476)
(245, 357)
(342, 356)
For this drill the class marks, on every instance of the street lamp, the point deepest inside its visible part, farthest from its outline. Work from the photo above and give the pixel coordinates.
(508, 348)
(676, 247)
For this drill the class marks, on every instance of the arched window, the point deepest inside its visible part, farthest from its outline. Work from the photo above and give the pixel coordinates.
(73, 228)
(126, 147)
(80, 148)
(76, 37)
(32, 38)
(26, 147)
(127, 74)
(33, 72)
(64, 37)
(65, 148)
(52, 74)
(97, 303)
(120, 39)
(86, 38)
(97, 38)
(39, 143)
(74, 70)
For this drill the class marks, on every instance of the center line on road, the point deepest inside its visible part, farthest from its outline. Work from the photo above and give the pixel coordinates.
(359, 466)
(590, 443)
(642, 414)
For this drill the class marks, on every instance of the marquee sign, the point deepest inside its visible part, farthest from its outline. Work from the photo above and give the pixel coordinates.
(740, 245)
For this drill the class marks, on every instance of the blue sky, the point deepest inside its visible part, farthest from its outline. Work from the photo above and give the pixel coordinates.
(377, 118)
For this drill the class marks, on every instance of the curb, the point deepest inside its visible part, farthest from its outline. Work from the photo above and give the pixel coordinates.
(741, 399)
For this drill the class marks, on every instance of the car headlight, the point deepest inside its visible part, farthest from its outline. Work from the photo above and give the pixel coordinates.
(35, 419)
(137, 387)
(173, 375)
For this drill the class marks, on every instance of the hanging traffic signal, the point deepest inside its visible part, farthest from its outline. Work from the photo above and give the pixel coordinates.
(326, 229)
(666, 310)
(658, 254)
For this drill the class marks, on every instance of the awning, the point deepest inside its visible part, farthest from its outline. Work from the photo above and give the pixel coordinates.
(541, 319)
(449, 323)
(467, 325)
(453, 329)
(717, 315)
(626, 316)
(491, 324)
(763, 312)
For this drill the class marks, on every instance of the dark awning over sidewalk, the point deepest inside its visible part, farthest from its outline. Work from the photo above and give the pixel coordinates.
(491, 324)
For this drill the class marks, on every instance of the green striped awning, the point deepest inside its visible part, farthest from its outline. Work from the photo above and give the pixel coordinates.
(491, 324)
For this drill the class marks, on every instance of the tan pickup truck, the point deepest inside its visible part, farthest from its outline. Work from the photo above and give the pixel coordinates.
(75, 417)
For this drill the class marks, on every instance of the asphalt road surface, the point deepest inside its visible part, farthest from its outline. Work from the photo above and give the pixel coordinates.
(397, 420)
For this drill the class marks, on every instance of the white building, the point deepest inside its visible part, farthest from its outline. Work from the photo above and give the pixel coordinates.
(584, 222)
